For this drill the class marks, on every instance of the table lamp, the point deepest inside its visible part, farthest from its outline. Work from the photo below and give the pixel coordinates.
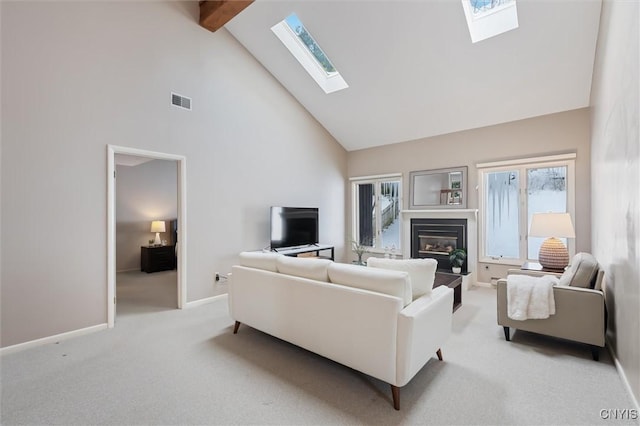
(553, 253)
(157, 226)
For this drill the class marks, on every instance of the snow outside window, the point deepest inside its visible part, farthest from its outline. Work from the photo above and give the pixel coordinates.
(376, 213)
(510, 195)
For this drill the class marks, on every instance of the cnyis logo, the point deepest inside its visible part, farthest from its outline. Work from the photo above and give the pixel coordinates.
(619, 414)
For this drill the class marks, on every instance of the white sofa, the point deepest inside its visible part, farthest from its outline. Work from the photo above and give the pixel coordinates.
(366, 318)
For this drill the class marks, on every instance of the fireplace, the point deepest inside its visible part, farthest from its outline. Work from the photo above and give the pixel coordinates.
(437, 238)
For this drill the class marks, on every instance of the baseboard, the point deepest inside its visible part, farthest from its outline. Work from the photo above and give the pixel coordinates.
(623, 376)
(76, 333)
(128, 270)
(205, 301)
(52, 339)
(486, 285)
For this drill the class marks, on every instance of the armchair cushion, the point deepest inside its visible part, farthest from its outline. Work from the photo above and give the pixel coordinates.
(421, 271)
(581, 272)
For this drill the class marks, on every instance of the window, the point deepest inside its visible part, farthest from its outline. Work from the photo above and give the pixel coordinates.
(297, 38)
(309, 42)
(510, 193)
(376, 212)
(489, 18)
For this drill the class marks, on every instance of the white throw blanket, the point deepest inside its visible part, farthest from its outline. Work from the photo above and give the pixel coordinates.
(530, 297)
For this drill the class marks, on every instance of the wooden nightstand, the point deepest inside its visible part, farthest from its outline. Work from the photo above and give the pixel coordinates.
(157, 258)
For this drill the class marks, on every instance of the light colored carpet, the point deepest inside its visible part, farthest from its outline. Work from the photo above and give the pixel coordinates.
(186, 367)
(139, 292)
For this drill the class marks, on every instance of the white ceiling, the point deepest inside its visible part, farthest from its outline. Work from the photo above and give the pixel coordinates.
(413, 71)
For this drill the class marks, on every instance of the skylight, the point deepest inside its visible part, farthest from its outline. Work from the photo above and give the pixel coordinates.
(488, 18)
(296, 26)
(293, 34)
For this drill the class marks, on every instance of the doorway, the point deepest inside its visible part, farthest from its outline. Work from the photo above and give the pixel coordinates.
(112, 151)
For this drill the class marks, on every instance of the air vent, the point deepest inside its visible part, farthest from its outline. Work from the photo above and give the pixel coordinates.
(180, 101)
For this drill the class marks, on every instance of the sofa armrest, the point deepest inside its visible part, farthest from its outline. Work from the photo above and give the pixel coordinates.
(423, 326)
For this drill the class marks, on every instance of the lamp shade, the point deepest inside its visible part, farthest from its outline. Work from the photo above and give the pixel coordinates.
(158, 226)
(552, 225)
(553, 253)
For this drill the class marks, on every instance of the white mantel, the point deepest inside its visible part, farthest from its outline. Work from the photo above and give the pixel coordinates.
(472, 232)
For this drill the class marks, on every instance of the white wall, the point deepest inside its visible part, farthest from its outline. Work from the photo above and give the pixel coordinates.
(615, 146)
(144, 193)
(77, 76)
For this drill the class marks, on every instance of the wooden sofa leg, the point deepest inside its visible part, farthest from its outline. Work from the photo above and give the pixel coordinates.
(506, 334)
(439, 353)
(395, 392)
(235, 327)
(595, 353)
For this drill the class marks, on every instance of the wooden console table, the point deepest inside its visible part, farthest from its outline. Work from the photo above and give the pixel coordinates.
(453, 281)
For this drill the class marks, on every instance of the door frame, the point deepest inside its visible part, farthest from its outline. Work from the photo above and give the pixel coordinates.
(112, 150)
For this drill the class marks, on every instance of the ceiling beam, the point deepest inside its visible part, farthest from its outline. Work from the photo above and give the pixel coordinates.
(215, 14)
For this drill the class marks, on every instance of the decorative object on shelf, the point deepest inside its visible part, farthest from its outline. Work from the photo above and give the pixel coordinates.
(457, 258)
(359, 249)
(158, 226)
(553, 253)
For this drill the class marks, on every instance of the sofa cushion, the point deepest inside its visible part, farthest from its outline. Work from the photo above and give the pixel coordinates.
(260, 260)
(394, 283)
(581, 272)
(314, 269)
(421, 271)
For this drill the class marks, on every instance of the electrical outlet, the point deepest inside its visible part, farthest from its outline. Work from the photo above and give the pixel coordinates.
(217, 276)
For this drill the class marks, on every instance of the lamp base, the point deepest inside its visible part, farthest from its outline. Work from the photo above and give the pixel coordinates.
(157, 241)
(553, 254)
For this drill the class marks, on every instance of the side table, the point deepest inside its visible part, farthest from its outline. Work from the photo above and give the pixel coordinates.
(535, 266)
(453, 281)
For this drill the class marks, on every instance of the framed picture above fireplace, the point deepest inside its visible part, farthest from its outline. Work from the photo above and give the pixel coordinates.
(438, 189)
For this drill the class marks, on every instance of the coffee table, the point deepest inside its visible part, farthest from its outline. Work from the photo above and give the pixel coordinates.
(453, 281)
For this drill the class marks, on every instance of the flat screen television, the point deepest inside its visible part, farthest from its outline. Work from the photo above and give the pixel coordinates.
(293, 226)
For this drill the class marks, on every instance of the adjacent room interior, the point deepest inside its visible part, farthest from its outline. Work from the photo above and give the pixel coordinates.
(146, 207)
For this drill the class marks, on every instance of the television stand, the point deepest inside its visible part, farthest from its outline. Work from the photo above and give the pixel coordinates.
(311, 248)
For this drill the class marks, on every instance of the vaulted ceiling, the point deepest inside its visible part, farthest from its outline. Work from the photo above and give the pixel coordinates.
(413, 71)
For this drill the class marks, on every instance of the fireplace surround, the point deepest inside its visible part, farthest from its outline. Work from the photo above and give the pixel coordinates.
(436, 238)
(471, 239)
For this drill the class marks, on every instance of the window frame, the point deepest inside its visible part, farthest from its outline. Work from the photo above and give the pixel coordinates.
(522, 165)
(329, 82)
(377, 181)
